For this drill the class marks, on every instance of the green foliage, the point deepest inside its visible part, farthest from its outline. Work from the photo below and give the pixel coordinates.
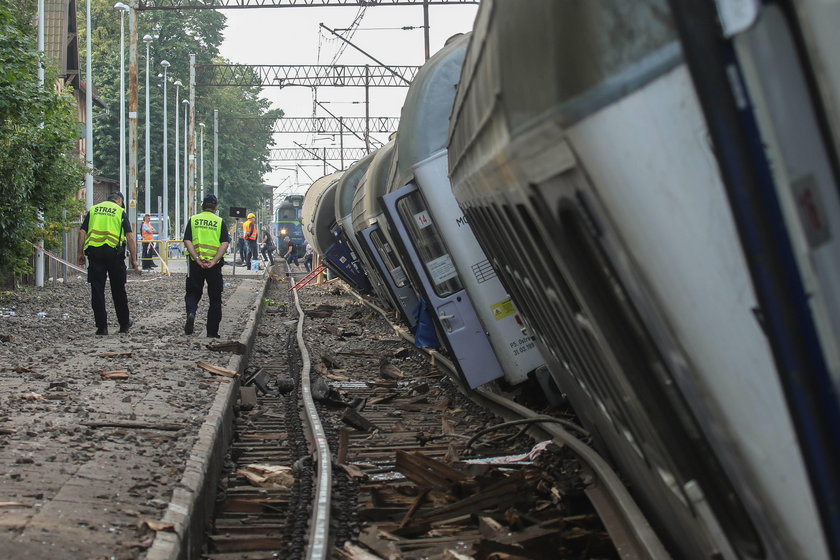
(243, 158)
(38, 129)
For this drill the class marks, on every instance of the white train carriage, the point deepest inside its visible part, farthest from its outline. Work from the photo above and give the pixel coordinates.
(475, 314)
(580, 155)
(376, 246)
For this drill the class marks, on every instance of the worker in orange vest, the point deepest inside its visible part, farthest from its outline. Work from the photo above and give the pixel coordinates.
(147, 233)
(249, 232)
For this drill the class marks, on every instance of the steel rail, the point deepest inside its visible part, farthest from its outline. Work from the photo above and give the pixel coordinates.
(319, 522)
(632, 535)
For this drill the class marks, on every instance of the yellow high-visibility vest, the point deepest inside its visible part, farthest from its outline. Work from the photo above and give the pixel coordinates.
(105, 225)
(206, 230)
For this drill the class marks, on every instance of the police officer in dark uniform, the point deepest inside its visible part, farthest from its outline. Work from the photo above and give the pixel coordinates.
(206, 238)
(103, 235)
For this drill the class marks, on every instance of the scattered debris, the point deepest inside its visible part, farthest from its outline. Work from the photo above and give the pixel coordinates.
(268, 476)
(125, 354)
(6, 338)
(216, 370)
(32, 397)
(158, 525)
(13, 505)
(387, 370)
(168, 427)
(114, 374)
(355, 420)
(233, 346)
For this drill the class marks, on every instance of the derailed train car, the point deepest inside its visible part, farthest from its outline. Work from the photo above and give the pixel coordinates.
(602, 181)
(581, 155)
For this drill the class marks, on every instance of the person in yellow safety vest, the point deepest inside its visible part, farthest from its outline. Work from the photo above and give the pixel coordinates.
(206, 239)
(104, 234)
(147, 233)
(249, 231)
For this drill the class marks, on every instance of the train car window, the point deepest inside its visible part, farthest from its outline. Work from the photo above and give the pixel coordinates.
(389, 258)
(660, 418)
(429, 244)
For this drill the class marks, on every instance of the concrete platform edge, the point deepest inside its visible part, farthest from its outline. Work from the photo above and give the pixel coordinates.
(192, 502)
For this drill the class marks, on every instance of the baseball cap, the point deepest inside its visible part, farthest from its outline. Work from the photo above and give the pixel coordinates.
(210, 199)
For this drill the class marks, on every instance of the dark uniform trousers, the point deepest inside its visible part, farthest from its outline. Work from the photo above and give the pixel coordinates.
(114, 268)
(195, 286)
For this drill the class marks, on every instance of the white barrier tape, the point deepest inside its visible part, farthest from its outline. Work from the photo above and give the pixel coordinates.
(76, 267)
(59, 259)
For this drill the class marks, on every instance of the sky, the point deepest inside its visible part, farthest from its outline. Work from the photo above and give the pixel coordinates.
(292, 36)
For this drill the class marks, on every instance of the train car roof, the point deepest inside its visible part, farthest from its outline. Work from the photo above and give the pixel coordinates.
(311, 200)
(346, 188)
(427, 107)
(374, 184)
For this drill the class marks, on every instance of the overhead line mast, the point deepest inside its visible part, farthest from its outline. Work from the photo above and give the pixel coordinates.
(244, 4)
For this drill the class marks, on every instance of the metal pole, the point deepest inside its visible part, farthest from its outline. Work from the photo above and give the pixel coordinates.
(122, 8)
(324, 157)
(367, 108)
(201, 159)
(148, 190)
(341, 139)
(165, 166)
(133, 108)
(39, 255)
(216, 152)
(426, 26)
(191, 158)
(88, 113)
(186, 104)
(178, 85)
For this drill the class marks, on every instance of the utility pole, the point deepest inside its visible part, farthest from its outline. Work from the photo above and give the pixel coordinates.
(88, 113)
(132, 115)
(39, 254)
(216, 152)
(426, 26)
(191, 173)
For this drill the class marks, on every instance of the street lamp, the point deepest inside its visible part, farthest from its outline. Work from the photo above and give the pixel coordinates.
(123, 8)
(148, 199)
(165, 64)
(201, 160)
(178, 85)
(186, 103)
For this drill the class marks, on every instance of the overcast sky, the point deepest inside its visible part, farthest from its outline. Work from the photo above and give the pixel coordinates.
(292, 36)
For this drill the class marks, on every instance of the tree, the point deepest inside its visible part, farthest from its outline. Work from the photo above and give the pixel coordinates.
(39, 170)
(176, 34)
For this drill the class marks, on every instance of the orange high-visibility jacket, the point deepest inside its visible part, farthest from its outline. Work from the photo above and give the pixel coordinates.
(249, 229)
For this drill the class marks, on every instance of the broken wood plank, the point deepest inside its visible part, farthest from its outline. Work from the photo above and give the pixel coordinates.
(233, 346)
(425, 471)
(165, 426)
(114, 374)
(216, 370)
(124, 353)
(356, 420)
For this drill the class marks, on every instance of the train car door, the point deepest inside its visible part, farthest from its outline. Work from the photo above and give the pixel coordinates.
(392, 272)
(463, 333)
(346, 263)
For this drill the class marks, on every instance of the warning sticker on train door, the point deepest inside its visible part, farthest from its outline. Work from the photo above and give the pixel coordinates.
(503, 309)
(423, 219)
(441, 269)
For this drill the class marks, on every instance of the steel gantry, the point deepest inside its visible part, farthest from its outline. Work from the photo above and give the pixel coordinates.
(306, 75)
(302, 153)
(232, 4)
(327, 125)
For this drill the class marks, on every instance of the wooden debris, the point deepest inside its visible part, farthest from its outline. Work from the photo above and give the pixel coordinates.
(268, 476)
(355, 353)
(356, 420)
(380, 542)
(7, 431)
(32, 397)
(426, 472)
(390, 371)
(13, 505)
(233, 346)
(155, 525)
(165, 426)
(330, 361)
(245, 543)
(125, 354)
(114, 374)
(22, 369)
(354, 552)
(216, 370)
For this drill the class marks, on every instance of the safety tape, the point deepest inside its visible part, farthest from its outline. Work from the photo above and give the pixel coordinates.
(80, 269)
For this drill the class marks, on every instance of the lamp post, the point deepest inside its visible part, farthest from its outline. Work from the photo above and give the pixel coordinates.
(178, 85)
(148, 198)
(123, 8)
(165, 166)
(201, 160)
(88, 113)
(186, 103)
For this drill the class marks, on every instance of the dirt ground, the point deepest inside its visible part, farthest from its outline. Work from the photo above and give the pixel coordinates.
(71, 487)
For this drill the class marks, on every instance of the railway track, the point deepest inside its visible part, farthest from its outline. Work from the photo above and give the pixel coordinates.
(387, 470)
